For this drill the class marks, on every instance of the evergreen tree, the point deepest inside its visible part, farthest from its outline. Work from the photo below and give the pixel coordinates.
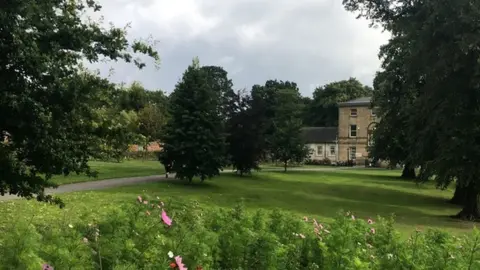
(194, 143)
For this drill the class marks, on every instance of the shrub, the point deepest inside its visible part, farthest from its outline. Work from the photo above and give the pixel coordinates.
(316, 162)
(138, 236)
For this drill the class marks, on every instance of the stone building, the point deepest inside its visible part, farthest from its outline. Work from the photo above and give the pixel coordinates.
(356, 122)
(322, 142)
(348, 141)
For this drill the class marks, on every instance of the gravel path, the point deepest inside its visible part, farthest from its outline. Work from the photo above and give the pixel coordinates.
(118, 182)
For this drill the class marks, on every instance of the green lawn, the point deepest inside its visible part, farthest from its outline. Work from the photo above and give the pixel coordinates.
(365, 192)
(109, 170)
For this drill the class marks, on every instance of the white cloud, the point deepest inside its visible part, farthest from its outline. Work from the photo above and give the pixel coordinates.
(312, 42)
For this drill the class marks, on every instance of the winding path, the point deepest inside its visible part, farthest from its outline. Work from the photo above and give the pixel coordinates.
(119, 182)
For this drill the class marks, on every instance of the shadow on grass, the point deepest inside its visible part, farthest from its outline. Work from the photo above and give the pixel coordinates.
(320, 198)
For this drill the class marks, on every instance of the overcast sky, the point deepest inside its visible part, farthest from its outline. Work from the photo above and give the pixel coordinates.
(311, 42)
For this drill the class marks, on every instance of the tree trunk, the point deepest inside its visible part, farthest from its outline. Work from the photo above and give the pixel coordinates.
(285, 166)
(471, 208)
(408, 171)
(459, 195)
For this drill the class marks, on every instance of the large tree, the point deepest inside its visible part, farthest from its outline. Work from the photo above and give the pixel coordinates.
(245, 135)
(322, 110)
(393, 99)
(443, 38)
(193, 141)
(286, 141)
(45, 99)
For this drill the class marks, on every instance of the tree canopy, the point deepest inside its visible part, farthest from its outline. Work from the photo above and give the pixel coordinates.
(440, 64)
(48, 103)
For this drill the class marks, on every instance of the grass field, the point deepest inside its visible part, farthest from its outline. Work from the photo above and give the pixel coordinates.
(365, 192)
(109, 170)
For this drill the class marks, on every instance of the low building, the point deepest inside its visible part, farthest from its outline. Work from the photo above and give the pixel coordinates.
(322, 142)
(356, 122)
(151, 147)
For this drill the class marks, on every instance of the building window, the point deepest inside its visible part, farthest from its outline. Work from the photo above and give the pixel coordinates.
(353, 112)
(353, 130)
(353, 153)
(332, 150)
(319, 150)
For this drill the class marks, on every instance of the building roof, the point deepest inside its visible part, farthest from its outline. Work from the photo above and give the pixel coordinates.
(363, 101)
(319, 134)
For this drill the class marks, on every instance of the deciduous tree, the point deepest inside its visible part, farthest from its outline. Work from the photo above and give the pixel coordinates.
(46, 102)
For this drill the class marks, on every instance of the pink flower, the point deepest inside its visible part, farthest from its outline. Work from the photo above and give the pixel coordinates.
(145, 202)
(46, 267)
(166, 219)
(372, 230)
(180, 265)
(139, 198)
(316, 230)
(305, 218)
(320, 226)
(370, 221)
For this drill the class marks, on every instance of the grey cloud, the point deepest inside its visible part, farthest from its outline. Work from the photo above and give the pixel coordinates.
(309, 42)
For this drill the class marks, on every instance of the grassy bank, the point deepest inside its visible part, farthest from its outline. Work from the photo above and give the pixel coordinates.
(367, 193)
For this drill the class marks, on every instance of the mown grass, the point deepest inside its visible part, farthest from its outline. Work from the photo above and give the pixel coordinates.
(365, 192)
(110, 170)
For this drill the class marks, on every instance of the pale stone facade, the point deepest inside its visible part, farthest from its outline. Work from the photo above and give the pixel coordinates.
(355, 125)
(321, 151)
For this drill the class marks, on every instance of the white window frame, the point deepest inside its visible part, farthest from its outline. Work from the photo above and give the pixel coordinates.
(353, 153)
(320, 153)
(353, 114)
(334, 152)
(351, 129)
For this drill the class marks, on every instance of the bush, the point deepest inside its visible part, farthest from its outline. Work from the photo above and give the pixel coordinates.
(348, 163)
(135, 236)
(316, 162)
(142, 155)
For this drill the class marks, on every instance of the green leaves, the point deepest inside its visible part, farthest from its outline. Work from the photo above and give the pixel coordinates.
(194, 136)
(51, 108)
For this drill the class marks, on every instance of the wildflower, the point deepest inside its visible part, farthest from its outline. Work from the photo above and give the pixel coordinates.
(71, 226)
(85, 240)
(301, 236)
(166, 219)
(369, 246)
(353, 217)
(170, 254)
(370, 221)
(46, 267)
(158, 198)
(316, 230)
(315, 222)
(180, 265)
(173, 265)
(364, 250)
(139, 198)
(327, 231)
(145, 202)
(389, 256)
(372, 230)
(162, 204)
(305, 219)
(148, 213)
(320, 226)
(372, 257)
